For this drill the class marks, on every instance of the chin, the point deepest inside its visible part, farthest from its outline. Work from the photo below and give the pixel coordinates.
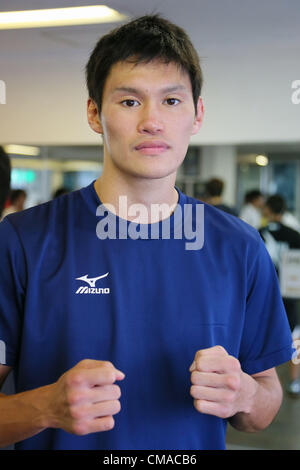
(154, 173)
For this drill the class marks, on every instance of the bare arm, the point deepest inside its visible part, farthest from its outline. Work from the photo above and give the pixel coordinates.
(263, 393)
(221, 388)
(82, 401)
(22, 415)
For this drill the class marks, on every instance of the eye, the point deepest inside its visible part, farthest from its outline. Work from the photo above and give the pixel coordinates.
(172, 101)
(130, 103)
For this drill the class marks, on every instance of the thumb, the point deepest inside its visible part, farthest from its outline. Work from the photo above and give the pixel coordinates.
(119, 375)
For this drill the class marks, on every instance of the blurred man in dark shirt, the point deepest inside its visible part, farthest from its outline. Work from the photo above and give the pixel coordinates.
(213, 195)
(279, 238)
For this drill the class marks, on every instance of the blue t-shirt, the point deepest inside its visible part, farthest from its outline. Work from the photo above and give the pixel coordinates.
(155, 304)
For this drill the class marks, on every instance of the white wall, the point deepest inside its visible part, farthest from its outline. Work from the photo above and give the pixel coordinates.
(245, 101)
(249, 53)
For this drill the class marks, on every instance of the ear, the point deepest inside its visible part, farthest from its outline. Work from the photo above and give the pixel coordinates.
(93, 116)
(199, 116)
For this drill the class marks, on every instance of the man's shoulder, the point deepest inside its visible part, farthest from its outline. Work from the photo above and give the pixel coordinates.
(281, 229)
(291, 235)
(226, 208)
(41, 216)
(225, 225)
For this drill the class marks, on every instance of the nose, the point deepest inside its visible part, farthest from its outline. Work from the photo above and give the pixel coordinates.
(150, 121)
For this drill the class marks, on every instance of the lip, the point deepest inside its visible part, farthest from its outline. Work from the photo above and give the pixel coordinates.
(154, 144)
(154, 147)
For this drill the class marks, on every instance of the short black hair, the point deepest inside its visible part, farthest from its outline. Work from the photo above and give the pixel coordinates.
(60, 192)
(214, 187)
(15, 194)
(5, 170)
(276, 204)
(144, 39)
(252, 195)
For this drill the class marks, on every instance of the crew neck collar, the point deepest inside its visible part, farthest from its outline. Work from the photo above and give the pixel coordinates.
(174, 220)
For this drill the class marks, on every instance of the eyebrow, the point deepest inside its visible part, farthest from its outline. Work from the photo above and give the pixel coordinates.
(170, 89)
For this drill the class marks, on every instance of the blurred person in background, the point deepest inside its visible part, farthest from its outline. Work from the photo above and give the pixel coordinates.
(278, 237)
(291, 221)
(213, 195)
(251, 212)
(17, 198)
(60, 192)
(5, 169)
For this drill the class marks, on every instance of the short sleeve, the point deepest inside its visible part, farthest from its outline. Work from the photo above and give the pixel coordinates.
(266, 340)
(12, 292)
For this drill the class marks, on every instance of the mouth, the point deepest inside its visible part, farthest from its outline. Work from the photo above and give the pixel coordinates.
(152, 148)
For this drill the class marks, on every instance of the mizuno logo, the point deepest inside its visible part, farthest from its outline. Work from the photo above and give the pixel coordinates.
(92, 283)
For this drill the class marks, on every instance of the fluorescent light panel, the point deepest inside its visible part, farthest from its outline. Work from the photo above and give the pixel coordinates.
(13, 149)
(59, 17)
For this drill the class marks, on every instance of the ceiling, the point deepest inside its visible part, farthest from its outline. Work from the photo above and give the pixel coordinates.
(220, 26)
(249, 52)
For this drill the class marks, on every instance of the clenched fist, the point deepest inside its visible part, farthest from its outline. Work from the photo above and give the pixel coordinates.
(218, 383)
(85, 398)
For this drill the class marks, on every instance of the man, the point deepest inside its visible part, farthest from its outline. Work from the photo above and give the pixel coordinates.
(278, 238)
(60, 192)
(176, 331)
(213, 195)
(251, 213)
(17, 198)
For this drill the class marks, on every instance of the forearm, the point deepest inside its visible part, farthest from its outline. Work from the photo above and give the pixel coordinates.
(262, 400)
(23, 415)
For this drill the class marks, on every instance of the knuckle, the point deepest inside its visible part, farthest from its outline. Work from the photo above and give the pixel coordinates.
(235, 363)
(110, 376)
(113, 391)
(74, 397)
(108, 423)
(80, 428)
(197, 405)
(108, 364)
(224, 412)
(220, 349)
(233, 382)
(76, 412)
(74, 378)
(194, 376)
(117, 391)
(197, 355)
(116, 406)
(83, 362)
(195, 392)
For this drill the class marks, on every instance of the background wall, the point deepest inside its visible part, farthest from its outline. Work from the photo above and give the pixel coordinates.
(249, 52)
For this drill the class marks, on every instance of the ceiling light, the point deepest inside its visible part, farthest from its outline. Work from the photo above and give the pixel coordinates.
(59, 17)
(21, 150)
(262, 160)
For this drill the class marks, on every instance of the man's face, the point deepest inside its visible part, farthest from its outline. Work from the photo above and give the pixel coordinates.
(259, 202)
(267, 213)
(147, 118)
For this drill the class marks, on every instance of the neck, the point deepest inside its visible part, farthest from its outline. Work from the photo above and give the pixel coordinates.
(215, 200)
(157, 198)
